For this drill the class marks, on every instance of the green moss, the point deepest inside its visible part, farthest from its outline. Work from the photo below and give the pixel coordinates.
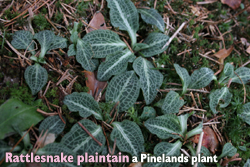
(41, 22)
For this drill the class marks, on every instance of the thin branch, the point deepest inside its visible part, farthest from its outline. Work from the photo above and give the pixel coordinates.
(174, 89)
(199, 147)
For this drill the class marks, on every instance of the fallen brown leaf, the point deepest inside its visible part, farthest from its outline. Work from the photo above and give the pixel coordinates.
(209, 141)
(233, 158)
(234, 4)
(222, 54)
(95, 86)
(248, 50)
(97, 22)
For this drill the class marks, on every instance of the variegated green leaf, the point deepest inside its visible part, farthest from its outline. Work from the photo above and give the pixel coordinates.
(245, 115)
(128, 137)
(148, 112)
(80, 142)
(123, 14)
(84, 103)
(228, 150)
(218, 95)
(150, 80)
(104, 43)
(164, 126)
(194, 131)
(151, 16)
(45, 39)
(183, 122)
(185, 78)
(114, 65)
(36, 77)
(172, 103)
(72, 50)
(247, 164)
(84, 55)
(59, 42)
(74, 33)
(228, 70)
(56, 149)
(169, 149)
(53, 124)
(123, 88)
(243, 73)
(155, 41)
(201, 78)
(22, 40)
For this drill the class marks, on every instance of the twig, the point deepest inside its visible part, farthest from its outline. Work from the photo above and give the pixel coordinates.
(113, 151)
(45, 113)
(173, 36)
(210, 58)
(47, 87)
(199, 147)
(185, 152)
(246, 63)
(174, 89)
(192, 96)
(128, 45)
(100, 144)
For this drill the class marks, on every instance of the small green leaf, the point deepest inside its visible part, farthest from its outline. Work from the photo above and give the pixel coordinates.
(155, 41)
(148, 112)
(53, 124)
(15, 113)
(84, 55)
(169, 149)
(22, 40)
(183, 122)
(204, 151)
(172, 103)
(164, 126)
(114, 65)
(217, 96)
(128, 137)
(185, 78)
(123, 14)
(123, 88)
(243, 73)
(45, 39)
(104, 43)
(84, 103)
(228, 70)
(151, 16)
(140, 46)
(80, 142)
(72, 50)
(36, 77)
(201, 78)
(74, 33)
(247, 164)
(195, 131)
(150, 80)
(228, 150)
(245, 115)
(59, 42)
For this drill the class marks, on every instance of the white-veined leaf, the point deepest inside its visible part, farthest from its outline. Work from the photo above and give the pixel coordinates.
(245, 115)
(151, 16)
(204, 151)
(201, 78)
(228, 150)
(80, 142)
(150, 80)
(59, 42)
(128, 137)
(169, 149)
(243, 73)
(22, 40)
(228, 70)
(104, 43)
(185, 78)
(74, 33)
(247, 164)
(114, 65)
(72, 50)
(140, 46)
(36, 77)
(183, 122)
(55, 149)
(218, 95)
(155, 41)
(84, 103)
(163, 126)
(172, 103)
(45, 39)
(84, 55)
(195, 131)
(53, 124)
(123, 88)
(148, 112)
(123, 14)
